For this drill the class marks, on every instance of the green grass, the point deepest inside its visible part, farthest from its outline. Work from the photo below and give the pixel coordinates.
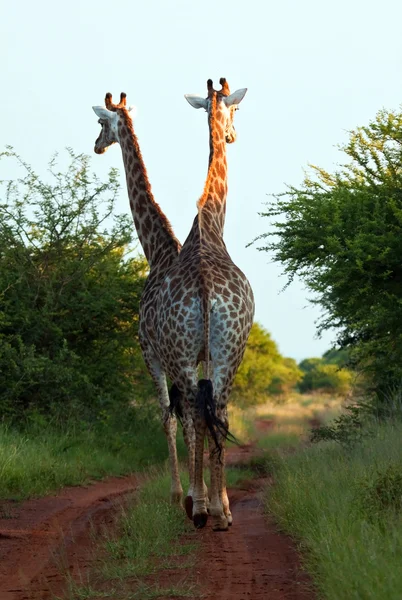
(344, 505)
(146, 530)
(279, 438)
(41, 460)
(149, 538)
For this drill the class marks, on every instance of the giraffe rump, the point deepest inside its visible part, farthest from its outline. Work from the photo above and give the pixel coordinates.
(206, 406)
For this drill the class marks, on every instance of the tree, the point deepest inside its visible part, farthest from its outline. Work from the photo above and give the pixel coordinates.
(263, 371)
(327, 378)
(69, 293)
(341, 233)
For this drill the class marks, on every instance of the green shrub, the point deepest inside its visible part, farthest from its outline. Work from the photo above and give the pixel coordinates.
(380, 496)
(341, 234)
(263, 371)
(69, 295)
(347, 430)
(326, 378)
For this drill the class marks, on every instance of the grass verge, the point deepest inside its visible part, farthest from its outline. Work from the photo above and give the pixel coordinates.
(345, 507)
(42, 459)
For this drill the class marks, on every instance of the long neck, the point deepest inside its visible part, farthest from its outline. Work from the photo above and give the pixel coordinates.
(212, 204)
(153, 228)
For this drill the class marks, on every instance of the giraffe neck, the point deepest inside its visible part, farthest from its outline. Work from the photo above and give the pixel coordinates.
(153, 228)
(212, 204)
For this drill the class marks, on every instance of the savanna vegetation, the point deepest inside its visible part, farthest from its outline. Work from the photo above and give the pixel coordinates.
(70, 294)
(72, 380)
(341, 234)
(264, 371)
(76, 401)
(342, 501)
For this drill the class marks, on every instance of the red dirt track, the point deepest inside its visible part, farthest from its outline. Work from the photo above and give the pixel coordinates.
(33, 540)
(46, 538)
(252, 561)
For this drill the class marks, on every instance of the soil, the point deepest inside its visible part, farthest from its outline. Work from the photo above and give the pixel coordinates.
(253, 560)
(43, 540)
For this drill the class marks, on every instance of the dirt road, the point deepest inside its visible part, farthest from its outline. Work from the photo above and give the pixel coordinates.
(43, 540)
(252, 561)
(37, 536)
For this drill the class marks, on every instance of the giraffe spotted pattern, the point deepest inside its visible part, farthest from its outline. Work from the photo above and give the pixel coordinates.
(205, 310)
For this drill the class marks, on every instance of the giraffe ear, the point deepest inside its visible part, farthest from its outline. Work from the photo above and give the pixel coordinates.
(133, 111)
(196, 101)
(236, 97)
(102, 112)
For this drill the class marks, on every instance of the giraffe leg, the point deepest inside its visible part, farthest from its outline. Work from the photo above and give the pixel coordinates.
(169, 425)
(200, 513)
(189, 439)
(219, 500)
(225, 501)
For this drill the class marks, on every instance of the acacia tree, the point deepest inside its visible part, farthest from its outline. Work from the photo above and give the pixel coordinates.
(264, 371)
(69, 293)
(341, 234)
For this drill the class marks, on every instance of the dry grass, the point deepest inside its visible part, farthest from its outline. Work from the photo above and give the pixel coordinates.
(291, 418)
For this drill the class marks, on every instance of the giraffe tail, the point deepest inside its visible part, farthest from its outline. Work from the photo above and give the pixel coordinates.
(175, 407)
(206, 406)
(205, 400)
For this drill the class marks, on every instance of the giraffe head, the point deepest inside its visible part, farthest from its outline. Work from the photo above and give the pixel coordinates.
(226, 105)
(109, 118)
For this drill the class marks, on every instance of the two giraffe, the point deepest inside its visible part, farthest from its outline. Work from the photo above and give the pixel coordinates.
(197, 305)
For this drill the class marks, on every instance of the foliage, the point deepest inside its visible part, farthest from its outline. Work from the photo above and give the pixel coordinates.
(335, 356)
(341, 233)
(326, 374)
(45, 456)
(380, 494)
(264, 370)
(328, 497)
(69, 294)
(327, 378)
(347, 430)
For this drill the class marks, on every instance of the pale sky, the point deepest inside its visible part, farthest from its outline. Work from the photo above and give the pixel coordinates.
(313, 70)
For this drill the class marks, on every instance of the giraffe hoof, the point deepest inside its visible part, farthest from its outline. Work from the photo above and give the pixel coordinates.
(220, 528)
(200, 520)
(220, 524)
(230, 520)
(188, 507)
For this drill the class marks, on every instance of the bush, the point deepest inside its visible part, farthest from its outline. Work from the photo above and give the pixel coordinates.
(380, 496)
(263, 371)
(69, 294)
(341, 233)
(347, 430)
(326, 378)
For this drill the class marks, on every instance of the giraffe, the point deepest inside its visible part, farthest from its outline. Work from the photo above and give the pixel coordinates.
(161, 249)
(205, 310)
